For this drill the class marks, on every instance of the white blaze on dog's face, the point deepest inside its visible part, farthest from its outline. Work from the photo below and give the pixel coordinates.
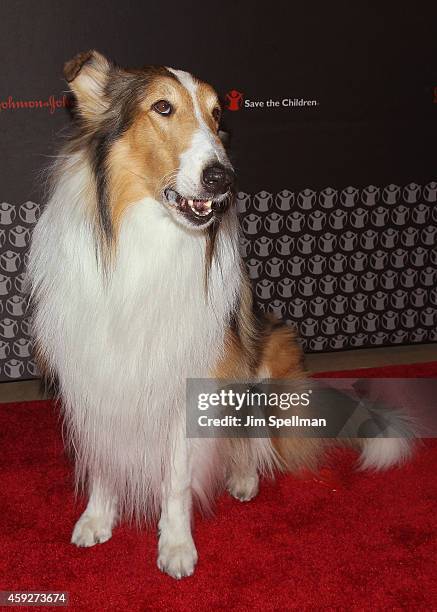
(153, 133)
(175, 133)
(205, 172)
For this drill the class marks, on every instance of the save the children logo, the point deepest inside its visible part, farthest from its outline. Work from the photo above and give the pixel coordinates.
(235, 100)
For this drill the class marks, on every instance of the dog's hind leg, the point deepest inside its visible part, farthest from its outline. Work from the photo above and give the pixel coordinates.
(177, 555)
(95, 524)
(243, 479)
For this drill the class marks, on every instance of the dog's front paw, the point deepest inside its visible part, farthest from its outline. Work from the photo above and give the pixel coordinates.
(243, 488)
(90, 530)
(177, 560)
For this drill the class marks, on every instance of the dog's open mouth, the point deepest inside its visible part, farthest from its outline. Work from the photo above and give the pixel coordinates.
(197, 211)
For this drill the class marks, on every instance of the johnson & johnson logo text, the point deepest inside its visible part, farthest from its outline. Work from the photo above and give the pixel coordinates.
(52, 103)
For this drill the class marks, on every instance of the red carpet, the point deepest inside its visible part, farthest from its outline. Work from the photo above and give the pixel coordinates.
(368, 545)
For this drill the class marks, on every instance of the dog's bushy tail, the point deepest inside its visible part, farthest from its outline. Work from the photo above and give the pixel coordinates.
(394, 447)
(385, 437)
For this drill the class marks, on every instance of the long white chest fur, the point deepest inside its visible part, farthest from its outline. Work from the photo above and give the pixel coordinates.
(123, 346)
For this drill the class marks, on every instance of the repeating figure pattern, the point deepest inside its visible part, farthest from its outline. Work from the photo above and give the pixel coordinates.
(16, 223)
(348, 268)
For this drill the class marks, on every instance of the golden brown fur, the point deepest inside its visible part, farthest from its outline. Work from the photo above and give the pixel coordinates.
(263, 348)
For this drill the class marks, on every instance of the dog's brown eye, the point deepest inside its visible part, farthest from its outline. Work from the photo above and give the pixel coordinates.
(163, 107)
(216, 113)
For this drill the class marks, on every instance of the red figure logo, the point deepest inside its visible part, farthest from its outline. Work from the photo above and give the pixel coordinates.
(234, 100)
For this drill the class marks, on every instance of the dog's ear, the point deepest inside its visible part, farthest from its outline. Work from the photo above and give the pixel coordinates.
(87, 75)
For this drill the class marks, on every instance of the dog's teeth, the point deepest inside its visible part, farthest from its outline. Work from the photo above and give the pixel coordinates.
(201, 208)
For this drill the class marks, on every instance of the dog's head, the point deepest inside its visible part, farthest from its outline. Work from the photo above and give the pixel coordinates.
(151, 132)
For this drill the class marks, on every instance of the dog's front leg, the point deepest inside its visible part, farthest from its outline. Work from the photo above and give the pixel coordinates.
(177, 555)
(95, 524)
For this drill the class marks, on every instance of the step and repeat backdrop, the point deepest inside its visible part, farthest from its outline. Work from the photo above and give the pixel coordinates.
(331, 115)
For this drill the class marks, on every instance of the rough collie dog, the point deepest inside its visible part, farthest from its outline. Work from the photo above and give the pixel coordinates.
(137, 285)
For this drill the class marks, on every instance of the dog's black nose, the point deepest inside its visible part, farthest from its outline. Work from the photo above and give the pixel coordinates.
(217, 179)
